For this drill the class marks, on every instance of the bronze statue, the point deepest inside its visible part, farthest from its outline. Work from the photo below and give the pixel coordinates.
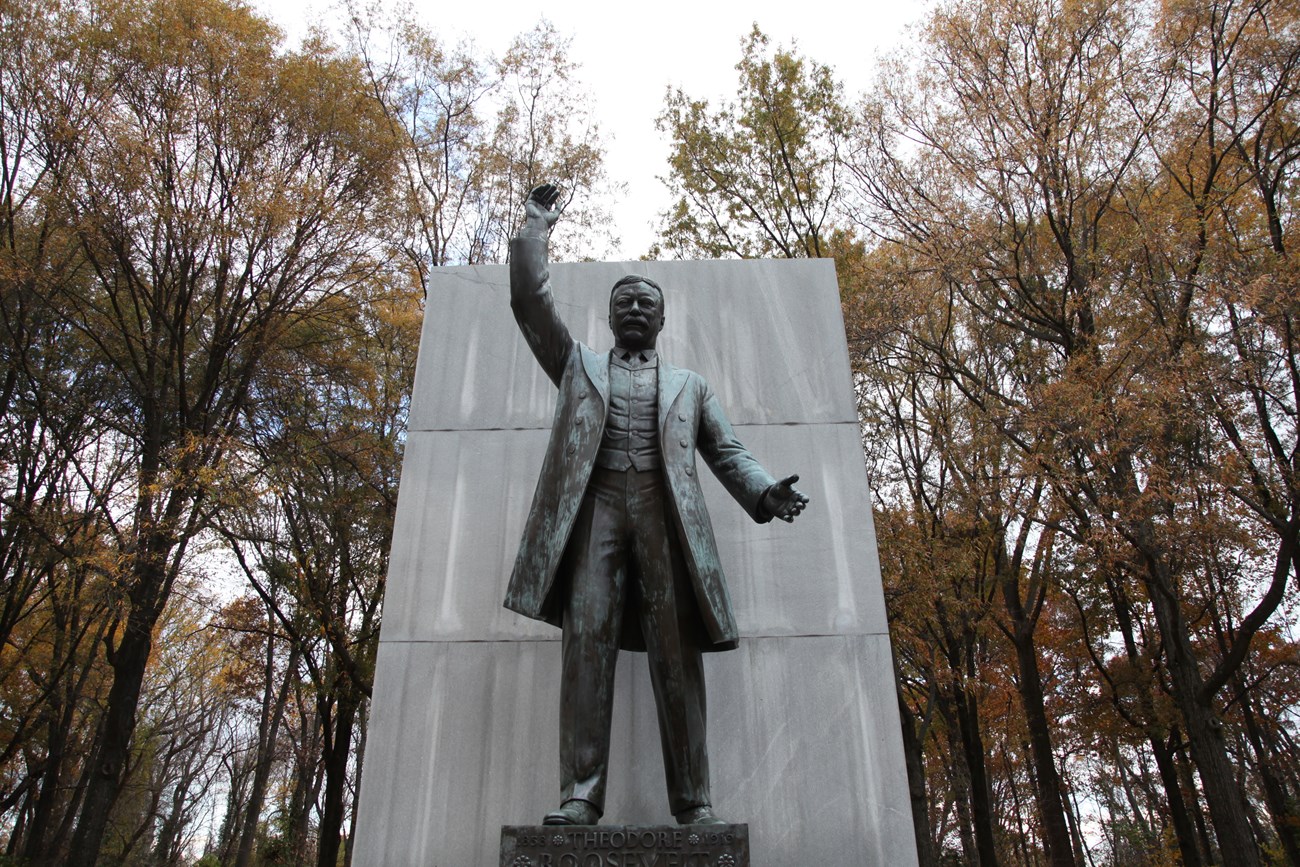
(618, 549)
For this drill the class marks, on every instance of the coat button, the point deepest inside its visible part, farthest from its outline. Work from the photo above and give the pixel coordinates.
(582, 395)
(681, 416)
(580, 421)
(685, 444)
(572, 448)
(690, 471)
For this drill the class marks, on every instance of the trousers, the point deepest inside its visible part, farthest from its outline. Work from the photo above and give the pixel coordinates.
(624, 554)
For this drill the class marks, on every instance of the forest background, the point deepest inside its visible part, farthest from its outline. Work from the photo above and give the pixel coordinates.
(1064, 232)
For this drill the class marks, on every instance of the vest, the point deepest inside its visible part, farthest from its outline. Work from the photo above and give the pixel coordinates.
(631, 438)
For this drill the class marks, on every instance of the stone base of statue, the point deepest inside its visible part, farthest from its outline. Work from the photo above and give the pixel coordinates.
(625, 846)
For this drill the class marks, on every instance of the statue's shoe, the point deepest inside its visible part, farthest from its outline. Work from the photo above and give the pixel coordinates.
(699, 816)
(574, 811)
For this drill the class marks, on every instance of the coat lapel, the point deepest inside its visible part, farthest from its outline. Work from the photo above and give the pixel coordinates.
(671, 382)
(597, 367)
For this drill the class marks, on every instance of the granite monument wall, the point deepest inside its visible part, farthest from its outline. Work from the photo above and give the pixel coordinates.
(803, 721)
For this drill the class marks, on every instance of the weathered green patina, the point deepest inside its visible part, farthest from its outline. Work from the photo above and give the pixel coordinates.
(627, 557)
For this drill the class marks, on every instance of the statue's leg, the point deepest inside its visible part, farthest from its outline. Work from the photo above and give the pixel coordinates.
(595, 562)
(674, 635)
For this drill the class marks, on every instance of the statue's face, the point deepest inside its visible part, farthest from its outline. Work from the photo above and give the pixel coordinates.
(636, 315)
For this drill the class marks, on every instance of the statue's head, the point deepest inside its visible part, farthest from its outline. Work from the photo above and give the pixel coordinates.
(636, 312)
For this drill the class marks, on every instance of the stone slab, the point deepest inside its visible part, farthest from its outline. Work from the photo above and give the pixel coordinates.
(786, 363)
(464, 497)
(625, 846)
(803, 744)
(803, 720)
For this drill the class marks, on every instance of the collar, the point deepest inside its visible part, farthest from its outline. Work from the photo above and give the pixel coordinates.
(633, 359)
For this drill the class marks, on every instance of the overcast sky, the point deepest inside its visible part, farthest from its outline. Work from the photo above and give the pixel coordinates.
(630, 53)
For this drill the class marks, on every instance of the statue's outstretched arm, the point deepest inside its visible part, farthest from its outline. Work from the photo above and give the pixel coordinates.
(530, 293)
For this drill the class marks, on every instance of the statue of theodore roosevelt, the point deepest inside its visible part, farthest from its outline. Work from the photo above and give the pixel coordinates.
(618, 549)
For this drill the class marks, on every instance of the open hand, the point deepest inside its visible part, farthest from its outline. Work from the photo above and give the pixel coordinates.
(783, 501)
(540, 209)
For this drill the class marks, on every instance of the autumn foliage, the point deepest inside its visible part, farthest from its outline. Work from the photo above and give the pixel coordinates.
(1064, 233)
(212, 255)
(1064, 236)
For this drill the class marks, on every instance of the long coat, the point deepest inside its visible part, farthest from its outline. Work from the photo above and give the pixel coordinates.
(690, 420)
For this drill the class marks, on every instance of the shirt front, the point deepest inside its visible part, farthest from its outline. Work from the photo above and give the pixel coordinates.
(631, 438)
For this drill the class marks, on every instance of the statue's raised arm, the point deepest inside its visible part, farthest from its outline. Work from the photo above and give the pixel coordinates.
(530, 293)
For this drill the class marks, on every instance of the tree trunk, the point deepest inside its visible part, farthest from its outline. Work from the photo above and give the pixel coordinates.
(363, 731)
(913, 759)
(128, 661)
(337, 746)
(19, 825)
(232, 827)
(267, 731)
(959, 778)
(1204, 729)
(981, 793)
(1161, 739)
(166, 848)
(1184, 829)
(1081, 856)
(34, 850)
(306, 785)
(55, 808)
(1047, 781)
(1186, 777)
(56, 849)
(1280, 807)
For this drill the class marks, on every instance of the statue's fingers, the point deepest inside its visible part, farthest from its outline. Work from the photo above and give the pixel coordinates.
(544, 195)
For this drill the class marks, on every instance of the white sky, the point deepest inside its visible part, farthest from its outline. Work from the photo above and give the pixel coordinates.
(630, 53)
